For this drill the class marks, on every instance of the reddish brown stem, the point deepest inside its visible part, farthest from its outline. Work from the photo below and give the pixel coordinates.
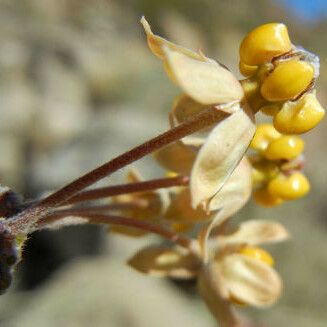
(104, 192)
(25, 220)
(97, 218)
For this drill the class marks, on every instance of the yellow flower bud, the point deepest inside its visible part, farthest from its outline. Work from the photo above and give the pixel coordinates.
(265, 199)
(263, 43)
(300, 116)
(287, 80)
(289, 187)
(247, 70)
(286, 147)
(264, 134)
(257, 253)
(270, 109)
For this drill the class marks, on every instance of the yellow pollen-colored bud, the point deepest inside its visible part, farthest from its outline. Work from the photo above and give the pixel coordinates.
(270, 109)
(247, 70)
(289, 187)
(300, 116)
(257, 253)
(264, 43)
(264, 134)
(265, 199)
(286, 147)
(287, 80)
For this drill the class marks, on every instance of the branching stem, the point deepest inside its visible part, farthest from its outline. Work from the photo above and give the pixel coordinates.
(24, 221)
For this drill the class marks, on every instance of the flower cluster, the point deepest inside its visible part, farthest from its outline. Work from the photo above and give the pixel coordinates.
(281, 79)
(209, 175)
(277, 165)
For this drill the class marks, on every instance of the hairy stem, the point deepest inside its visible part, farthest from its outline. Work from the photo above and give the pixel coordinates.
(104, 192)
(98, 218)
(25, 220)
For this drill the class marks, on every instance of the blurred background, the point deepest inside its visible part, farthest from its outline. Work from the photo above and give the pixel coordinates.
(78, 86)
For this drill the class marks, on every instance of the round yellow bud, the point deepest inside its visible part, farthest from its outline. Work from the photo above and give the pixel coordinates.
(247, 70)
(300, 116)
(265, 199)
(257, 253)
(264, 134)
(286, 147)
(289, 187)
(264, 43)
(287, 80)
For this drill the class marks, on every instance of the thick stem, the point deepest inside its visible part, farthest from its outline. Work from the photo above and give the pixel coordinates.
(104, 192)
(23, 222)
(98, 218)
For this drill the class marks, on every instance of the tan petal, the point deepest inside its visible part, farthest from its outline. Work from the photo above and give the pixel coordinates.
(254, 232)
(205, 80)
(249, 280)
(165, 262)
(236, 191)
(176, 157)
(156, 43)
(183, 109)
(209, 288)
(230, 199)
(219, 156)
(180, 209)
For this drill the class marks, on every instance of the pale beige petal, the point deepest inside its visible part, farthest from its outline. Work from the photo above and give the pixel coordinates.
(236, 191)
(248, 280)
(205, 81)
(220, 154)
(156, 44)
(254, 232)
(165, 262)
(184, 108)
(209, 286)
(176, 157)
(231, 198)
(180, 209)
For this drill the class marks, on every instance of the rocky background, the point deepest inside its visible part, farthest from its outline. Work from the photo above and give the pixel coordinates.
(77, 87)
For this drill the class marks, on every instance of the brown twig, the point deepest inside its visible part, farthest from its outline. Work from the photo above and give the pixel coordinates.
(104, 192)
(25, 220)
(98, 218)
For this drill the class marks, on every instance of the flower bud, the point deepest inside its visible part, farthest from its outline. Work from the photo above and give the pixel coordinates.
(289, 79)
(264, 43)
(289, 187)
(286, 147)
(300, 116)
(264, 134)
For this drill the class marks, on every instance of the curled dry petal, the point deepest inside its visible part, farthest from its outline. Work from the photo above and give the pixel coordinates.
(176, 157)
(254, 232)
(205, 81)
(156, 43)
(165, 262)
(220, 154)
(221, 309)
(247, 279)
(201, 78)
(180, 209)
